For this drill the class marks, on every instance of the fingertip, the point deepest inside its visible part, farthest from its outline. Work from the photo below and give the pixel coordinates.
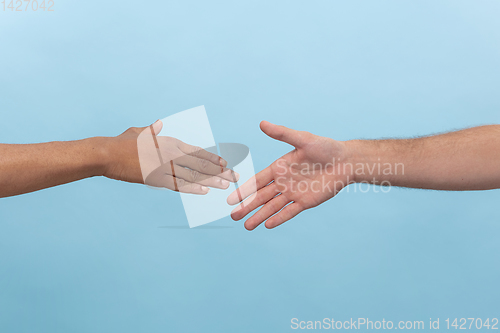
(236, 176)
(269, 129)
(264, 124)
(224, 183)
(249, 228)
(230, 200)
(234, 213)
(222, 162)
(157, 126)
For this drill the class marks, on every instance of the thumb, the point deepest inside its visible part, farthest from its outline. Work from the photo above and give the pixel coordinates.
(282, 133)
(157, 126)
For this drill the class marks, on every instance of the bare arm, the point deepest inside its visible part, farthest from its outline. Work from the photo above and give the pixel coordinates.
(463, 160)
(32, 167)
(184, 168)
(318, 168)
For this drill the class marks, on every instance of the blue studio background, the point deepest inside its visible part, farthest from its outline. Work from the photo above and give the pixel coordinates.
(104, 256)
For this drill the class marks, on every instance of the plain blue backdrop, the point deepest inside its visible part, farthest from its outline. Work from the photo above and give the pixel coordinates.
(104, 256)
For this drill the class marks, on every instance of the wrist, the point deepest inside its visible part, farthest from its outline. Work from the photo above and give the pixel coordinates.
(99, 154)
(365, 157)
(376, 162)
(355, 155)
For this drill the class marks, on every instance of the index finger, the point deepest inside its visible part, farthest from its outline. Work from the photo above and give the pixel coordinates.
(251, 186)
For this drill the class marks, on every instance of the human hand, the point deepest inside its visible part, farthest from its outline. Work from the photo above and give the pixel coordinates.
(304, 178)
(140, 156)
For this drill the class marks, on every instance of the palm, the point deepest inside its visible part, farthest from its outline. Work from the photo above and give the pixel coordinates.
(304, 178)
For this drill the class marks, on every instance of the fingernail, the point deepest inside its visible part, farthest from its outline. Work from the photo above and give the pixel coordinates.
(236, 176)
(224, 183)
(205, 189)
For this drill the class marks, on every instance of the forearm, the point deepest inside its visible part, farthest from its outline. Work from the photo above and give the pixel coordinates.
(464, 160)
(31, 167)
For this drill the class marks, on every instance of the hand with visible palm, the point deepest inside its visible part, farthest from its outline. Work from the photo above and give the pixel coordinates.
(309, 175)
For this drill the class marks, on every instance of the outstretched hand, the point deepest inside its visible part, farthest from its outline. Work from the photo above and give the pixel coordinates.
(139, 155)
(304, 178)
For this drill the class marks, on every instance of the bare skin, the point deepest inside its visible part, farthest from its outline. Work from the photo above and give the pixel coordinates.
(30, 167)
(319, 167)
